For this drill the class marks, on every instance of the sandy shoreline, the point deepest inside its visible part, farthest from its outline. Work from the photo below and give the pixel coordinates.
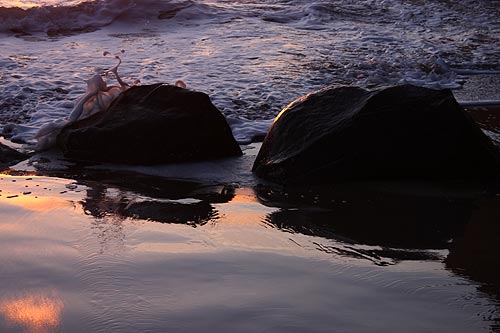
(480, 87)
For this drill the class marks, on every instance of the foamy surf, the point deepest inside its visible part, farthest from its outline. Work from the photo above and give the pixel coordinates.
(65, 18)
(251, 58)
(62, 18)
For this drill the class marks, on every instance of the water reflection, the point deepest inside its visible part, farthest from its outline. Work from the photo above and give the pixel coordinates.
(167, 263)
(154, 199)
(385, 217)
(401, 223)
(383, 224)
(398, 224)
(36, 312)
(475, 252)
(35, 193)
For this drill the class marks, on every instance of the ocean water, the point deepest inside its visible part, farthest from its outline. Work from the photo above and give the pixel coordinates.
(207, 246)
(251, 57)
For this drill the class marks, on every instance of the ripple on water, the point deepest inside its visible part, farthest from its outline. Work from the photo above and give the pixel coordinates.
(239, 270)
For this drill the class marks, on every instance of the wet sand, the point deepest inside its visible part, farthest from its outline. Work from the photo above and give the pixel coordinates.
(205, 246)
(480, 87)
(209, 247)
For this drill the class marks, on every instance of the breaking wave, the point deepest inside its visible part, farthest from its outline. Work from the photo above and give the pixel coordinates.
(85, 16)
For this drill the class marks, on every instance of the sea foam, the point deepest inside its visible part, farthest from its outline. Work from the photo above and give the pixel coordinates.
(252, 58)
(71, 17)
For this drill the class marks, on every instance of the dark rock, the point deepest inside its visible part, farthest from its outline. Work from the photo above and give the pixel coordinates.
(9, 156)
(152, 124)
(348, 133)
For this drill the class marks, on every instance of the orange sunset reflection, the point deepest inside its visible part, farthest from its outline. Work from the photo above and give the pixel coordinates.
(20, 4)
(34, 3)
(35, 193)
(244, 208)
(35, 313)
(39, 204)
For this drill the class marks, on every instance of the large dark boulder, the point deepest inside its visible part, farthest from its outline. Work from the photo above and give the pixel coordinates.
(152, 124)
(348, 133)
(9, 156)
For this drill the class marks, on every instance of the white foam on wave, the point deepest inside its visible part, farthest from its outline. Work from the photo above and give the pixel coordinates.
(60, 17)
(404, 41)
(36, 3)
(246, 131)
(319, 15)
(97, 98)
(46, 122)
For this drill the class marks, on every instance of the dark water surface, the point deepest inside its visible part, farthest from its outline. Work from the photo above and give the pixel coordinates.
(118, 251)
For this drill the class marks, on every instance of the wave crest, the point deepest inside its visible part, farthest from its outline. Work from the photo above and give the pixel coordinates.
(54, 20)
(84, 16)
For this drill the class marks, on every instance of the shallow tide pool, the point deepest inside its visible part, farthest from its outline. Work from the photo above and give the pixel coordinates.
(118, 251)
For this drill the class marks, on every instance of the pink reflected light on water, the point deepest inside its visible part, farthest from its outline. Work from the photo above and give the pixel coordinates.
(35, 3)
(35, 312)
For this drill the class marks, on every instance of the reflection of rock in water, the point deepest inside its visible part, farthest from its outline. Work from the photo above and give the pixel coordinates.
(476, 253)
(367, 216)
(398, 226)
(153, 198)
(9, 156)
